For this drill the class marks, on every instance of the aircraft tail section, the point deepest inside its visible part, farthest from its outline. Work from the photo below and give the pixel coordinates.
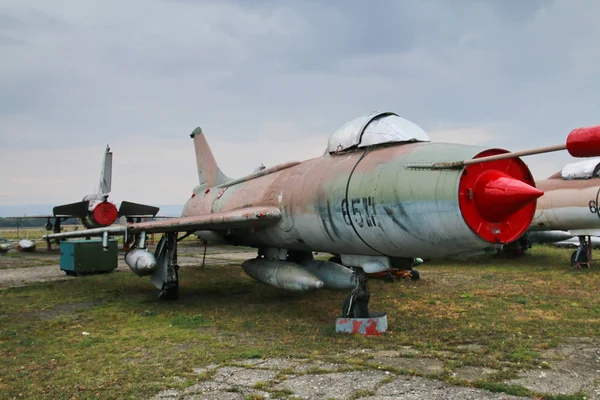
(106, 173)
(209, 173)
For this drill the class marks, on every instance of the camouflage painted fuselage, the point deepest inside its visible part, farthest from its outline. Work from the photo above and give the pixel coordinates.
(366, 202)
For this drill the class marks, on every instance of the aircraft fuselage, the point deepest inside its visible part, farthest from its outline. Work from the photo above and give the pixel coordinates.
(366, 202)
(568, 205)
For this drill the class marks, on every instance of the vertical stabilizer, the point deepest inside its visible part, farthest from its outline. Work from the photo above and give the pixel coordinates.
(209, 173)
(106, 173)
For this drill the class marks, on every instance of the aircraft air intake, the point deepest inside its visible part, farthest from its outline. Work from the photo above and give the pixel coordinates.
(497, 198)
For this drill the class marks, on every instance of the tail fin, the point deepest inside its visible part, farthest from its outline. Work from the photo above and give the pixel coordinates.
(209, 173)
(106, 173)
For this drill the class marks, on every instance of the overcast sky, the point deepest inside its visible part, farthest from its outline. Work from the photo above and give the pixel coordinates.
(268, 81)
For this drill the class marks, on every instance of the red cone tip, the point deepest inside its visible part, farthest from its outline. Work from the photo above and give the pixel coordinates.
(497, 196)
(584, 142)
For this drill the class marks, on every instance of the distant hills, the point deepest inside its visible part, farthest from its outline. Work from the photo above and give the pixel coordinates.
(21, 210)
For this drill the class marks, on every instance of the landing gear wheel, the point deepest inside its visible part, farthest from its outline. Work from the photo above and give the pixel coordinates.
(583, 258)
(414, 275)
(170, 291)
(389, 277)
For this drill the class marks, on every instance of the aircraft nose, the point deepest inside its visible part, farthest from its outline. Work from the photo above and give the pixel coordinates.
(497, 195)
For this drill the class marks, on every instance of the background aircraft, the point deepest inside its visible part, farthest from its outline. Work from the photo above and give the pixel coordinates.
(381, 195)
(95, 210)
(569, 207)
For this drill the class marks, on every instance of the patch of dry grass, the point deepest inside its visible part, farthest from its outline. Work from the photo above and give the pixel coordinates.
(511, 308)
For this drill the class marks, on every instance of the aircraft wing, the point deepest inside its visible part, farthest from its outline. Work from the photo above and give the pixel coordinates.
(248, 217)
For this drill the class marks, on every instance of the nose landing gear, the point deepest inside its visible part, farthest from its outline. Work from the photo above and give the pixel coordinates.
(582, 257)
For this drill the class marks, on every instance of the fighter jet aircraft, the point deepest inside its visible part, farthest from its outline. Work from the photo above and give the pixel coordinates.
(95, 210)
(570, 203)
(380, 195)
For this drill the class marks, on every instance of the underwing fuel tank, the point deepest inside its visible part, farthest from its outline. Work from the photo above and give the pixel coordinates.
(548, 236)
(282, 274)
(334, 276)
(141, 262)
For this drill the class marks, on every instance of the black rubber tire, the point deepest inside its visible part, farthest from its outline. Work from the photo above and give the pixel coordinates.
(582, 258)
(170, 293)
(414, 275)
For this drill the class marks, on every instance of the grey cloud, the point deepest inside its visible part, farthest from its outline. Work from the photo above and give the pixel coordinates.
(96, 72)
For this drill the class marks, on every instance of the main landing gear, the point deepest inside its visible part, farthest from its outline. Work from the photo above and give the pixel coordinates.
(582, 257)
(356, 318)
(357, 303)
(166, 276)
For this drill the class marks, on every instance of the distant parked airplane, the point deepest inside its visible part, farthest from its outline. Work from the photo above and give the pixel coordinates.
(95, 211)
(569, 207)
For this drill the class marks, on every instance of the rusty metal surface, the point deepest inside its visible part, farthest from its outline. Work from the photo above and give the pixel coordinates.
(329, 204)
(259, 173)
(209, 173)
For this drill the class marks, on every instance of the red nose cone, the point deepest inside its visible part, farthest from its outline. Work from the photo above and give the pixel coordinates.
(105, 213)
(584, 142)
(497, 195)
(497, 198)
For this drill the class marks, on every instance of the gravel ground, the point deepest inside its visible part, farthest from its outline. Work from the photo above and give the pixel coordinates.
(572, 368)
(21, 269)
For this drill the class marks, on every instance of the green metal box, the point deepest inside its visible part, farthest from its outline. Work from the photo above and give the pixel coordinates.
(87, 256)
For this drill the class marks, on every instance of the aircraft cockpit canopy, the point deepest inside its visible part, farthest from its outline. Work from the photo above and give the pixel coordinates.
(582, 170)
(373, 129)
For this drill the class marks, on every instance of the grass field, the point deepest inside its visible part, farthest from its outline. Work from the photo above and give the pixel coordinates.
(134, 345)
